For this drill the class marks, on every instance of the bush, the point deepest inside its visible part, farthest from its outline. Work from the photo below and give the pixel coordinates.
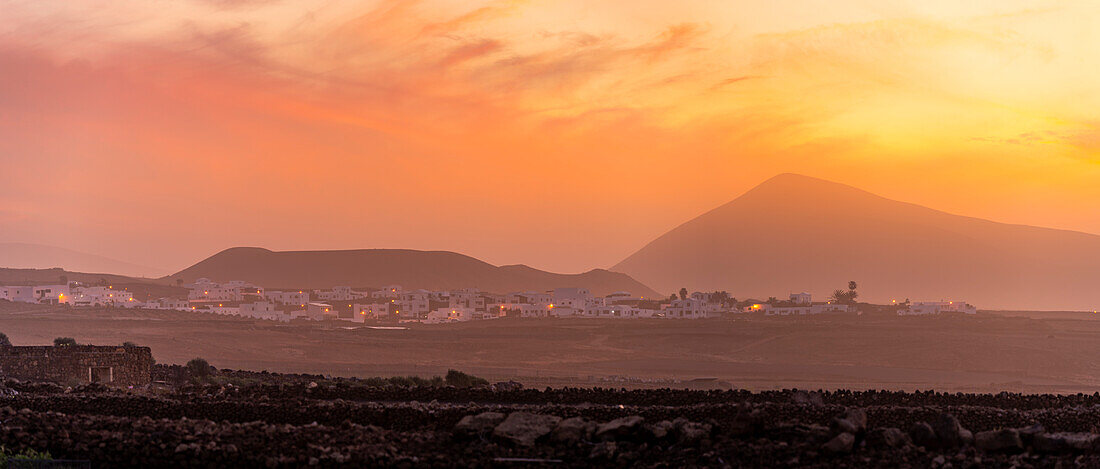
(405, 381)
(64, 341)
(459, 379)
(129, 344)
(4, 342)
(198, 368)
(7, 455)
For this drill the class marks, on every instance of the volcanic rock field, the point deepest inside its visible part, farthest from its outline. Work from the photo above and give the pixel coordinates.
(299, 420)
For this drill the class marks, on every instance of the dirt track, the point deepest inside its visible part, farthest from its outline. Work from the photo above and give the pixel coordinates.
(986, 353)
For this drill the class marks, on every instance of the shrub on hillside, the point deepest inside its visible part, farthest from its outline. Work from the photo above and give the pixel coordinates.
(198, 368)
(459, 379)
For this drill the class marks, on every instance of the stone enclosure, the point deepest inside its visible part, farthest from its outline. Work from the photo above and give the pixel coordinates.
(117, 366)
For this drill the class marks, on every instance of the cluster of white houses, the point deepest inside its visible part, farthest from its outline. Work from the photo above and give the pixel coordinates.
(937, 307)
(467, 304)
(72, 294)
(392, 302)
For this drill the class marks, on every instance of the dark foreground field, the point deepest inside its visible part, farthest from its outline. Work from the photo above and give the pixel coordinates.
(1035, 353)
(280, 421)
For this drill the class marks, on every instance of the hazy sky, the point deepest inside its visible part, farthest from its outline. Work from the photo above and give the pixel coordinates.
(562, 134)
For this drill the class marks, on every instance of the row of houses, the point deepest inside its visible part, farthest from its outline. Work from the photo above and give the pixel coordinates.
(72, 294)
(937, 307)
(801, 304)
(427, 306)
(392, 302)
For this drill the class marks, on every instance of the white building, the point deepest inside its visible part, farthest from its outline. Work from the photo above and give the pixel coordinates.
(44, 294)
(205, 290)
(413, 304)
(16, 293)
(442, 315)
(530, 298)
(320, 311)
(468, 298)
(259, 309)
(493, 298)
(51, 294)
(577, 299)
(800, 310)
(245, 290)
(801, 298)
(388, 291)
(594, 302)
(299, 297)
(525, 310)
(692, 308)
(619, 311)
(339, 294)
(805, 309)
(168, 303)
(102, 296)
(363, 312)
(220, 309)
(559, 311)
(937, 307)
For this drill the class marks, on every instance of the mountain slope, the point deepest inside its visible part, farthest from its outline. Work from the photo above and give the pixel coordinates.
(797, 233)
(142, 288)
(408, 268)
(37, 256)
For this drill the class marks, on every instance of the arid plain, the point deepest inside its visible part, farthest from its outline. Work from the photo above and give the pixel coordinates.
(989, 352)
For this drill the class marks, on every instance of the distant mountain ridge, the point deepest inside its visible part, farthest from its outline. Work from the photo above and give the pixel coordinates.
(794, 233)
(433, 270)
(38, 256)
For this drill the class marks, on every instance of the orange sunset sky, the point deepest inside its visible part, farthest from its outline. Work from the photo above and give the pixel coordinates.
(561, 134)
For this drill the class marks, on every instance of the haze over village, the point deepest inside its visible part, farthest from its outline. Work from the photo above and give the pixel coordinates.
(791, 248)
(218, 285)
(516, 233)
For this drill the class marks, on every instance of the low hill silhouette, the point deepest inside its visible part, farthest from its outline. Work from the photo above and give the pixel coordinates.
(39, 256)
(433, 270)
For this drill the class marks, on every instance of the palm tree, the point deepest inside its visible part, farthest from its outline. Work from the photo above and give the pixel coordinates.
(844, 296)
(839, 296)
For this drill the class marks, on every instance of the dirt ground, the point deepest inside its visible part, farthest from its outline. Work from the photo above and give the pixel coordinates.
(989, 352)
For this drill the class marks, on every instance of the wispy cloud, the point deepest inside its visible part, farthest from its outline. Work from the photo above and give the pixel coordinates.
(389, 104)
